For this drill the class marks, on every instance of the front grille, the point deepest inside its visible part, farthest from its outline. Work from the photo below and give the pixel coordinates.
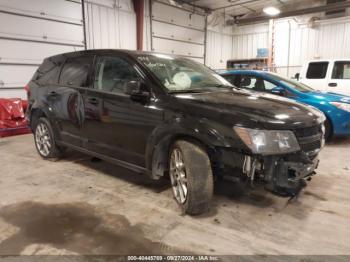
(309, 138)
(308, 131)
(311, 146)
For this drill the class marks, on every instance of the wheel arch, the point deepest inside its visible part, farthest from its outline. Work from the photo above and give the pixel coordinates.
(158, 159)
(329, 120)
(36, 113)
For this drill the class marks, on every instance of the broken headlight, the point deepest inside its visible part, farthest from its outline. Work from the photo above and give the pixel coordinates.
(268, 142)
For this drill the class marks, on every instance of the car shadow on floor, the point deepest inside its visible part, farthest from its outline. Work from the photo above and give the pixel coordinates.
(235, 192)
(224, 191)
(339, 141)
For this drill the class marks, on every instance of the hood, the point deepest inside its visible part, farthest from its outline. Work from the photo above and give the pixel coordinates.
(329, 97)
(248, 109)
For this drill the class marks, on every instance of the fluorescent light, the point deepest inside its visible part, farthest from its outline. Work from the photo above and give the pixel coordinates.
(272, 11)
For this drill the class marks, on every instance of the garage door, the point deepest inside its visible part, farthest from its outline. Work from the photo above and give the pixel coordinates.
(177, 31)
(32, 30)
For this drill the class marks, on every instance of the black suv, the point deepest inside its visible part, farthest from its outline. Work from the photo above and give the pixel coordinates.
(168, 115)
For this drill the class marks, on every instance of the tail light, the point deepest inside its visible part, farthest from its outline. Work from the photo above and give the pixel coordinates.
(26, 88)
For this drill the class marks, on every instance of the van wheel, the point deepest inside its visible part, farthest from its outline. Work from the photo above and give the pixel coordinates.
(328, 130)
(191, 177)
(45, 141)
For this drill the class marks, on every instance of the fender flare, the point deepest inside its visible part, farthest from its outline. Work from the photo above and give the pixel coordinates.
(202, 131)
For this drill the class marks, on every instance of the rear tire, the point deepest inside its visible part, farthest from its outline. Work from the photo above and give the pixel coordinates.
(191, 177)
(45, 141)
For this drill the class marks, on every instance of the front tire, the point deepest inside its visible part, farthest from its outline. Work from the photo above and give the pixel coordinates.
(44, 139)
(191, 177)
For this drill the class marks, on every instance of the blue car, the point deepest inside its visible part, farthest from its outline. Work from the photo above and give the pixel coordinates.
(336, 107)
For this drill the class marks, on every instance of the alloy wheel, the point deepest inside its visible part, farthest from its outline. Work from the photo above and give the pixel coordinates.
(43, 139)
(178, 176)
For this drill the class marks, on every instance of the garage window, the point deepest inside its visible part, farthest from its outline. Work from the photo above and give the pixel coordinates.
(341, 70)
(317, 70)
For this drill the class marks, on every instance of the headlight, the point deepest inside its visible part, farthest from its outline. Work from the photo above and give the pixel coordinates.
(342, 106)
(268, 142)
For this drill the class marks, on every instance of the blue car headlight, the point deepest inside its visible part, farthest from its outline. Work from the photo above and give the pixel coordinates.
(268, 142)
(342, 106)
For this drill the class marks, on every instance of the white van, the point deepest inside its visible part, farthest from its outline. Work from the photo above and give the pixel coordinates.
(327, 75)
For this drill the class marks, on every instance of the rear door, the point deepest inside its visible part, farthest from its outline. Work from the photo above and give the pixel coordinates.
(66, 99)
(116, 126)
(316, 75)
(340, 79)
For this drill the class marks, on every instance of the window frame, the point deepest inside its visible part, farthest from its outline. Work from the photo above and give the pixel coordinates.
(96, 63)
(318, 62)
(142, 76)
(333, 70)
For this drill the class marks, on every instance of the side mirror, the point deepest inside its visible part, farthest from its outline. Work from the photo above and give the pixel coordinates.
(137, 91)
(278, 91)
(297, 76)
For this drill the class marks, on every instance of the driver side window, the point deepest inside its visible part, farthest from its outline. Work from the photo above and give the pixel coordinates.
(269, 86)
(113, 74)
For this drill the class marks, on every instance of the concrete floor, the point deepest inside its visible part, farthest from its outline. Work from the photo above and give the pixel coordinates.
(77, 206)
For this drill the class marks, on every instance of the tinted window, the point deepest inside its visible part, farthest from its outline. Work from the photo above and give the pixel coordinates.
(48, 72)
(113, 74)
(317, 70)
(252, 82)
(233, 79)
(341, 70)
(75, 71)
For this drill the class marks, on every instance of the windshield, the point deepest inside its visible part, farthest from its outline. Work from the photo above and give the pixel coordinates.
(179, 74)
(291, 83)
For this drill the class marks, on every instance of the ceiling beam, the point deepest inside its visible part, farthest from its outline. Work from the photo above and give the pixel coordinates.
(289, 13)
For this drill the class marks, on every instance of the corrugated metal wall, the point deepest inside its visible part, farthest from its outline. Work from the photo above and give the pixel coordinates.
(298, 42)
(295, 42)
(110, 24)
(219, 49)
(247, 40)
(227, 42)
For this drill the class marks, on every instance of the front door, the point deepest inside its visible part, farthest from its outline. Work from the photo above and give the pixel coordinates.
(116, 126)
(340, 80)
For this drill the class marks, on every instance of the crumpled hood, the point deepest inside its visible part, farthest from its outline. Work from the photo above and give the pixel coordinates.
(244, 108)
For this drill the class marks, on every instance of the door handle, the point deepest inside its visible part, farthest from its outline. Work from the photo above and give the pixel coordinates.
(52, 94)
(93, 101)
(332, 84)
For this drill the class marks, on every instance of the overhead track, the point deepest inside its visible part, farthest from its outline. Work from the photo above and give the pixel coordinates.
(289, 13)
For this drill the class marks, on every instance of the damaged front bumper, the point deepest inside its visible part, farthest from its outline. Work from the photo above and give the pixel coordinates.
(283, 175)
(286, 176)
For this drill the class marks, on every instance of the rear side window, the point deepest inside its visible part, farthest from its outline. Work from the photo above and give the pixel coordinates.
(317, 70)
(75, 71)
(341, 70)
(48, 72)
